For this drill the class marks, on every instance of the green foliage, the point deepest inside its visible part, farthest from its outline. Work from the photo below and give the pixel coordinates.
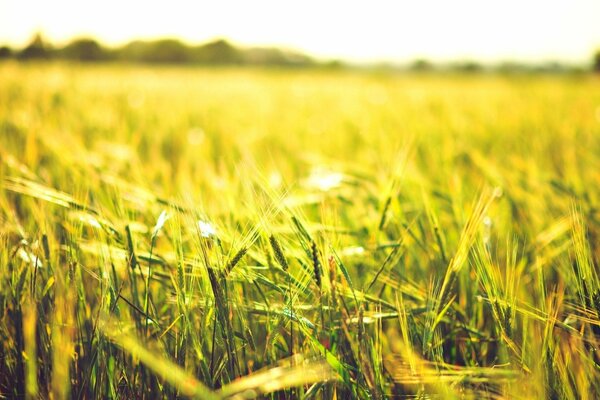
(160, 51)
(421, 65)
(84, 49)
(5, 52)
(229, 233)
(36, 49)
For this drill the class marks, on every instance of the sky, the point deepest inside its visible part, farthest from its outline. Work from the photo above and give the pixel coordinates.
(371, 31)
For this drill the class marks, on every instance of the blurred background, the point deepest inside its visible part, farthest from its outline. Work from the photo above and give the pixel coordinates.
(467, 35)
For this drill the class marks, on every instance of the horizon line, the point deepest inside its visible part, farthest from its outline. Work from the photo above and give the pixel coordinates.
(321, 58)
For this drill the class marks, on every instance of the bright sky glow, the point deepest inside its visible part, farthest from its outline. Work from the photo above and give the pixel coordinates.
(528, 30)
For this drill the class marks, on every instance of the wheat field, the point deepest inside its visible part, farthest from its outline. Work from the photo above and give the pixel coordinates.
(261, 233)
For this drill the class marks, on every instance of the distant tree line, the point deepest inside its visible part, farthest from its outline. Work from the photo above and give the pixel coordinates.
(221, 52)
(470, 66)
(162, 51)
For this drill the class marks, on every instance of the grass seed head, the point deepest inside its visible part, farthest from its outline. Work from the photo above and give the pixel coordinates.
(236, 259)
(316, 263)
(278, 252)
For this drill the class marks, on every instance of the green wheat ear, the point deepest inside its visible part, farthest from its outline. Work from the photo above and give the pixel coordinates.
(235, 260)
(278, 252)
(316, 263)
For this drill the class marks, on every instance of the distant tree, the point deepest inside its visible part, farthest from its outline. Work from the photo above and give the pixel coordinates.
(597, 61)
(157, 51)
(84, 49)
(508, 67)
(5, 52)
(551, 67)
(334, 64)
(421, 65)
(468, 66)
(274, 56)
(217, 52)
(167, 51)
(132, 51)
(36, 49)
